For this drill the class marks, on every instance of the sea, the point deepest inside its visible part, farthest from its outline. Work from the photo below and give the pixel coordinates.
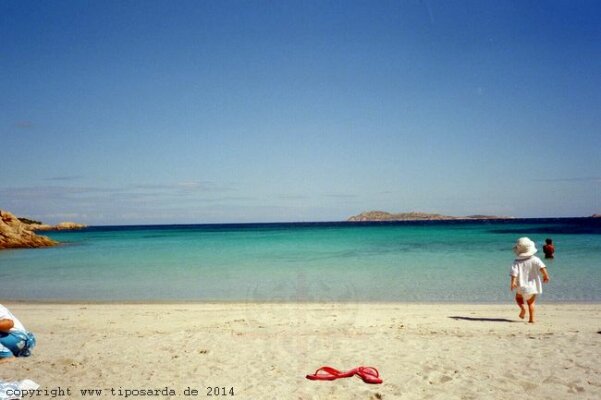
(426, 261)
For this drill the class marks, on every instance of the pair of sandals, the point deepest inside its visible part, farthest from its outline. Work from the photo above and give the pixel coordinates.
(368, 374)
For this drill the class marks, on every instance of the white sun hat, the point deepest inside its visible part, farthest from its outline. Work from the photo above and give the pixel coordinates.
(524, 247)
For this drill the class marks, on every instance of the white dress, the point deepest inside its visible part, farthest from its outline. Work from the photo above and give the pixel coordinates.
(529, 277)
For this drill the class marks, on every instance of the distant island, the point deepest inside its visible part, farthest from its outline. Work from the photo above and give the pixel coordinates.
(415, 216)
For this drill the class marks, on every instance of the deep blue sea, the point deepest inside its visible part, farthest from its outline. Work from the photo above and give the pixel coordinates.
(447, 261)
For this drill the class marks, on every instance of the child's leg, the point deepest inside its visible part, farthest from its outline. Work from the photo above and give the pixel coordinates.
(520, 300)
(531, 308)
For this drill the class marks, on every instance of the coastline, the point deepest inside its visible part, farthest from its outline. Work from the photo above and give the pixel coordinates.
(264, 350)
(167, 302)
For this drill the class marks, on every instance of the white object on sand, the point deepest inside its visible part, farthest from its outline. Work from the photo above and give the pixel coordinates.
(12, 390)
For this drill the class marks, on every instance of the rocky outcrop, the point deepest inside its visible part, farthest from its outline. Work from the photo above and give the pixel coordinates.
(63, 226)
(595, 216)
(413, 216)
(15, 234)
(34, 225)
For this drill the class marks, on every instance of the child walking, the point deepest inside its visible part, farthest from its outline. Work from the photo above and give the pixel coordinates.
(526, 273)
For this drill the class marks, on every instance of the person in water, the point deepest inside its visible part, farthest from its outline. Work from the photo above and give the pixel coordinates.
(526, 273)
(549, 249)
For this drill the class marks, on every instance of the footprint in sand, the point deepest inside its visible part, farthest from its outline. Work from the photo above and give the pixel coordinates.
(576, 389)
(528, 385)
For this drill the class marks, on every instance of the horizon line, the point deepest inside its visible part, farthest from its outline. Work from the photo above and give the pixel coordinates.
(458, 219)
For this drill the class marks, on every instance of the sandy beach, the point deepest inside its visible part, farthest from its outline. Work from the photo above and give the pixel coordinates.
(264, 351)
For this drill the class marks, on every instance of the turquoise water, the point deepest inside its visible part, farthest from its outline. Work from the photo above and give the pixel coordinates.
(429, 261)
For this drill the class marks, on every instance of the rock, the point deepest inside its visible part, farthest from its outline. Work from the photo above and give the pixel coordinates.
(595, 216)
(63, 226)
(69, 225)
(15, 234)
(40, 227)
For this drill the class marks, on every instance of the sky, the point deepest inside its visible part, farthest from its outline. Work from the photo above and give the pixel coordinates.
(158, 112)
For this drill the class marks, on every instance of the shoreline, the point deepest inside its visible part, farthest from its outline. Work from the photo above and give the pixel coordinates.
(510, 301)
(264, 350)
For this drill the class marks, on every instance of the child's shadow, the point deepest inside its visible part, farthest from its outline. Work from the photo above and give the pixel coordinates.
(482, 319)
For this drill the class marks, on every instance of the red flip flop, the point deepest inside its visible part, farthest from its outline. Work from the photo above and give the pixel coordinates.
(369, 375)
(330, 374)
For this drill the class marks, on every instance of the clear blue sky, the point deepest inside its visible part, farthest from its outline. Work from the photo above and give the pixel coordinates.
(122, 112)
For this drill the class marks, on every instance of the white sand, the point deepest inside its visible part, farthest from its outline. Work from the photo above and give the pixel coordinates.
(264, 351)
